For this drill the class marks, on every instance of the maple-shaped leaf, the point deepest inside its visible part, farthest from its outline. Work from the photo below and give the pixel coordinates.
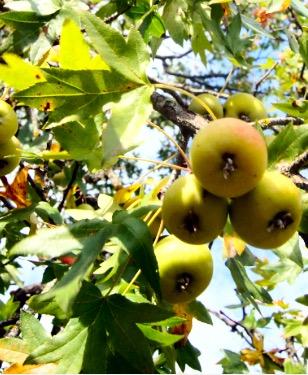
(75, 92)
(82, 345)
(18, 190)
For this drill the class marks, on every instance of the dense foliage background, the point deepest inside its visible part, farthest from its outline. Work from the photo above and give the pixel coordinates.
(90, 81)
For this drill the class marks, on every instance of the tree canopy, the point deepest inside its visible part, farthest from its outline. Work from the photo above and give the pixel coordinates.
(108, 99)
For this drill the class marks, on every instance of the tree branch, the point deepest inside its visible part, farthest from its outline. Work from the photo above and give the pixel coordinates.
(177, 114)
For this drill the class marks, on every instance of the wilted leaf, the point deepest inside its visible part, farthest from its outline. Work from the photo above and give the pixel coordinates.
(18, 190)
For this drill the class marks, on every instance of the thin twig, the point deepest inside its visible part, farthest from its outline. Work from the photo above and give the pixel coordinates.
(69, 186)
(263, 78)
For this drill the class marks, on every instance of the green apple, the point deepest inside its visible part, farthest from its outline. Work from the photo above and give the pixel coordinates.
(8, 122)
(245, 107)
(191, 213)
(185, 270)
(210, 100)
(228, 157)
(269, 215)
(9, 155)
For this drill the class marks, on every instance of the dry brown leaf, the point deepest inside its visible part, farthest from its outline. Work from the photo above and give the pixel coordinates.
(18, 190)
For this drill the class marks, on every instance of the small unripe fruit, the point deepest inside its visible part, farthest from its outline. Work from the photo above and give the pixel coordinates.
(8, 122)
(228, 157)
(268, 216)
(211, 101)
(245, 107)
(185, 270)
(9, 156)
(191, 213)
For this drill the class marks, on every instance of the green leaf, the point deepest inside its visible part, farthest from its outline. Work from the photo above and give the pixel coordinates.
(255, 26)
(129, 57)
(248, 290)
(163, 338)
(59, 299)
(66, 348)
(121, 317)
(33, 333)
(291, 250)
(134, 236)
(303, 47)
(188, 355)
(288, 144)
(299, 7)
(8, 309)
(81, 93)
(199, 41)
(152, 26)
(48, 213)
(297, 108)
(199, 311)
(23, 18)
(174, 18)
(58, 241)
(232, 363)
(291, 367)
(303, 299)
(128, 116)
(81, 139)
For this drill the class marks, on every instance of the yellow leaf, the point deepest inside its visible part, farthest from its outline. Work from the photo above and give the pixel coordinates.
(75, 52)
(125, 194)
(279, 6)
(50, 57)
(281, 303)
(49, 368)
(18, 73)
(257, 341)
(162, 183)
(13, 350)
(252, 357)
(233, 245)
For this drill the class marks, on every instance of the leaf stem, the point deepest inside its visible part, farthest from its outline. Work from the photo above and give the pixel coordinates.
(181, 151)
(161, 163)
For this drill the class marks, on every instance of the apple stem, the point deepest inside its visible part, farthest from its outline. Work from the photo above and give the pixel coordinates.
(280, 221)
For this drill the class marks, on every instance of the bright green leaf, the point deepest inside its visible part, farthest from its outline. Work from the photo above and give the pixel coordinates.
(128, 116)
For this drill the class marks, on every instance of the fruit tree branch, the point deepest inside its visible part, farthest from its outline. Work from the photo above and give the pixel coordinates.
(177, 114)
(270, 122)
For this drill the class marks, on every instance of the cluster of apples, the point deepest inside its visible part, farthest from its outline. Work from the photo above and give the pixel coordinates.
(229, 178)
(9, 144)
